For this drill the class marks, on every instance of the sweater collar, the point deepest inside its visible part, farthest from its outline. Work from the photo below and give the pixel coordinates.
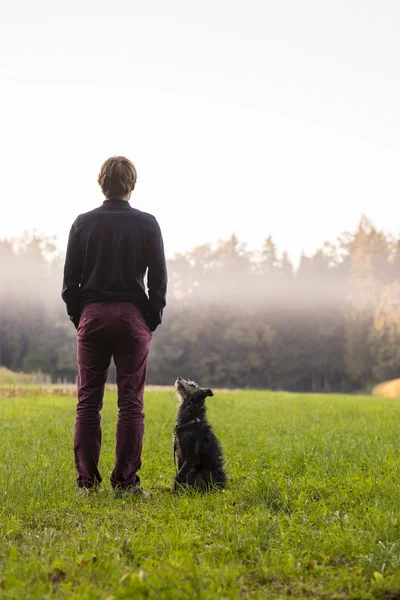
(115, 201)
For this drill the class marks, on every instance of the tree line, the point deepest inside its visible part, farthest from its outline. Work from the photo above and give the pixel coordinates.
(235, 318)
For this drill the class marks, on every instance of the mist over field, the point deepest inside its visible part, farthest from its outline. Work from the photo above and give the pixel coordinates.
(234, 318)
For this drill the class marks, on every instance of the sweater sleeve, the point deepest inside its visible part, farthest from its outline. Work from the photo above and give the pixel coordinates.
(156, 278)
(72, 276)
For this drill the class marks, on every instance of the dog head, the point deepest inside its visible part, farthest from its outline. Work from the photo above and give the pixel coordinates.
(191, 392)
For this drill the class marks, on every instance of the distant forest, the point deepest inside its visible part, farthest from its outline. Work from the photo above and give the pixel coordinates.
(234, 318)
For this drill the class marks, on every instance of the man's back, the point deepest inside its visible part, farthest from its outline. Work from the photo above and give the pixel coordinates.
(110, 248)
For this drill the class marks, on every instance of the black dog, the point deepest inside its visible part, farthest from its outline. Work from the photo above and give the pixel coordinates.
(197, 451)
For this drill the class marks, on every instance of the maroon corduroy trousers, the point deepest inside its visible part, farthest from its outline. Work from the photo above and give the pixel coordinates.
(115, 329)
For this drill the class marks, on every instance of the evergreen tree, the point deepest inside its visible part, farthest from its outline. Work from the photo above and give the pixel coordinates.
(385, 335)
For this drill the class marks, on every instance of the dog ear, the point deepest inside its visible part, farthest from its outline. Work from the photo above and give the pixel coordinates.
(208, 392)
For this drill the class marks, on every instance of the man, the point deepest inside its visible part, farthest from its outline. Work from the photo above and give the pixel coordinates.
(109, 251)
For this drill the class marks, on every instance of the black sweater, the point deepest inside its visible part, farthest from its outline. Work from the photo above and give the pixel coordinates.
(109, 250)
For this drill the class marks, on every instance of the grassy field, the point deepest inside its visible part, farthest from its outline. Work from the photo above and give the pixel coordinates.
(311, 511)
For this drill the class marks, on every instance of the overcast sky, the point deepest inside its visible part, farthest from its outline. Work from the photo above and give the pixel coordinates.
(253, 117)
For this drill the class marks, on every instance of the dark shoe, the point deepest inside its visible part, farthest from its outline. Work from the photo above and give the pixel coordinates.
(135, 490)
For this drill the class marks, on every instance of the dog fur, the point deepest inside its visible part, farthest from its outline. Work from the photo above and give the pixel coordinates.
(198, 453)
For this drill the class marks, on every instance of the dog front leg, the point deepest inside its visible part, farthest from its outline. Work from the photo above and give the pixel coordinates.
(180, 477)
(191, 478)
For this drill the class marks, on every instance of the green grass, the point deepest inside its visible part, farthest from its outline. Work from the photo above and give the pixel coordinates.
(311, 511)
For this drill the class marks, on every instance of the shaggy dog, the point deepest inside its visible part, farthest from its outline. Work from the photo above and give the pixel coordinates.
(197, 451)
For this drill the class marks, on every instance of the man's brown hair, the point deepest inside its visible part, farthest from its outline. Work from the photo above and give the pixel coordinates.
(117, 176)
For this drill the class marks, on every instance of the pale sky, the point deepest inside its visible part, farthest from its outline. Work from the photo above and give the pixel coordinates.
(253, 117)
